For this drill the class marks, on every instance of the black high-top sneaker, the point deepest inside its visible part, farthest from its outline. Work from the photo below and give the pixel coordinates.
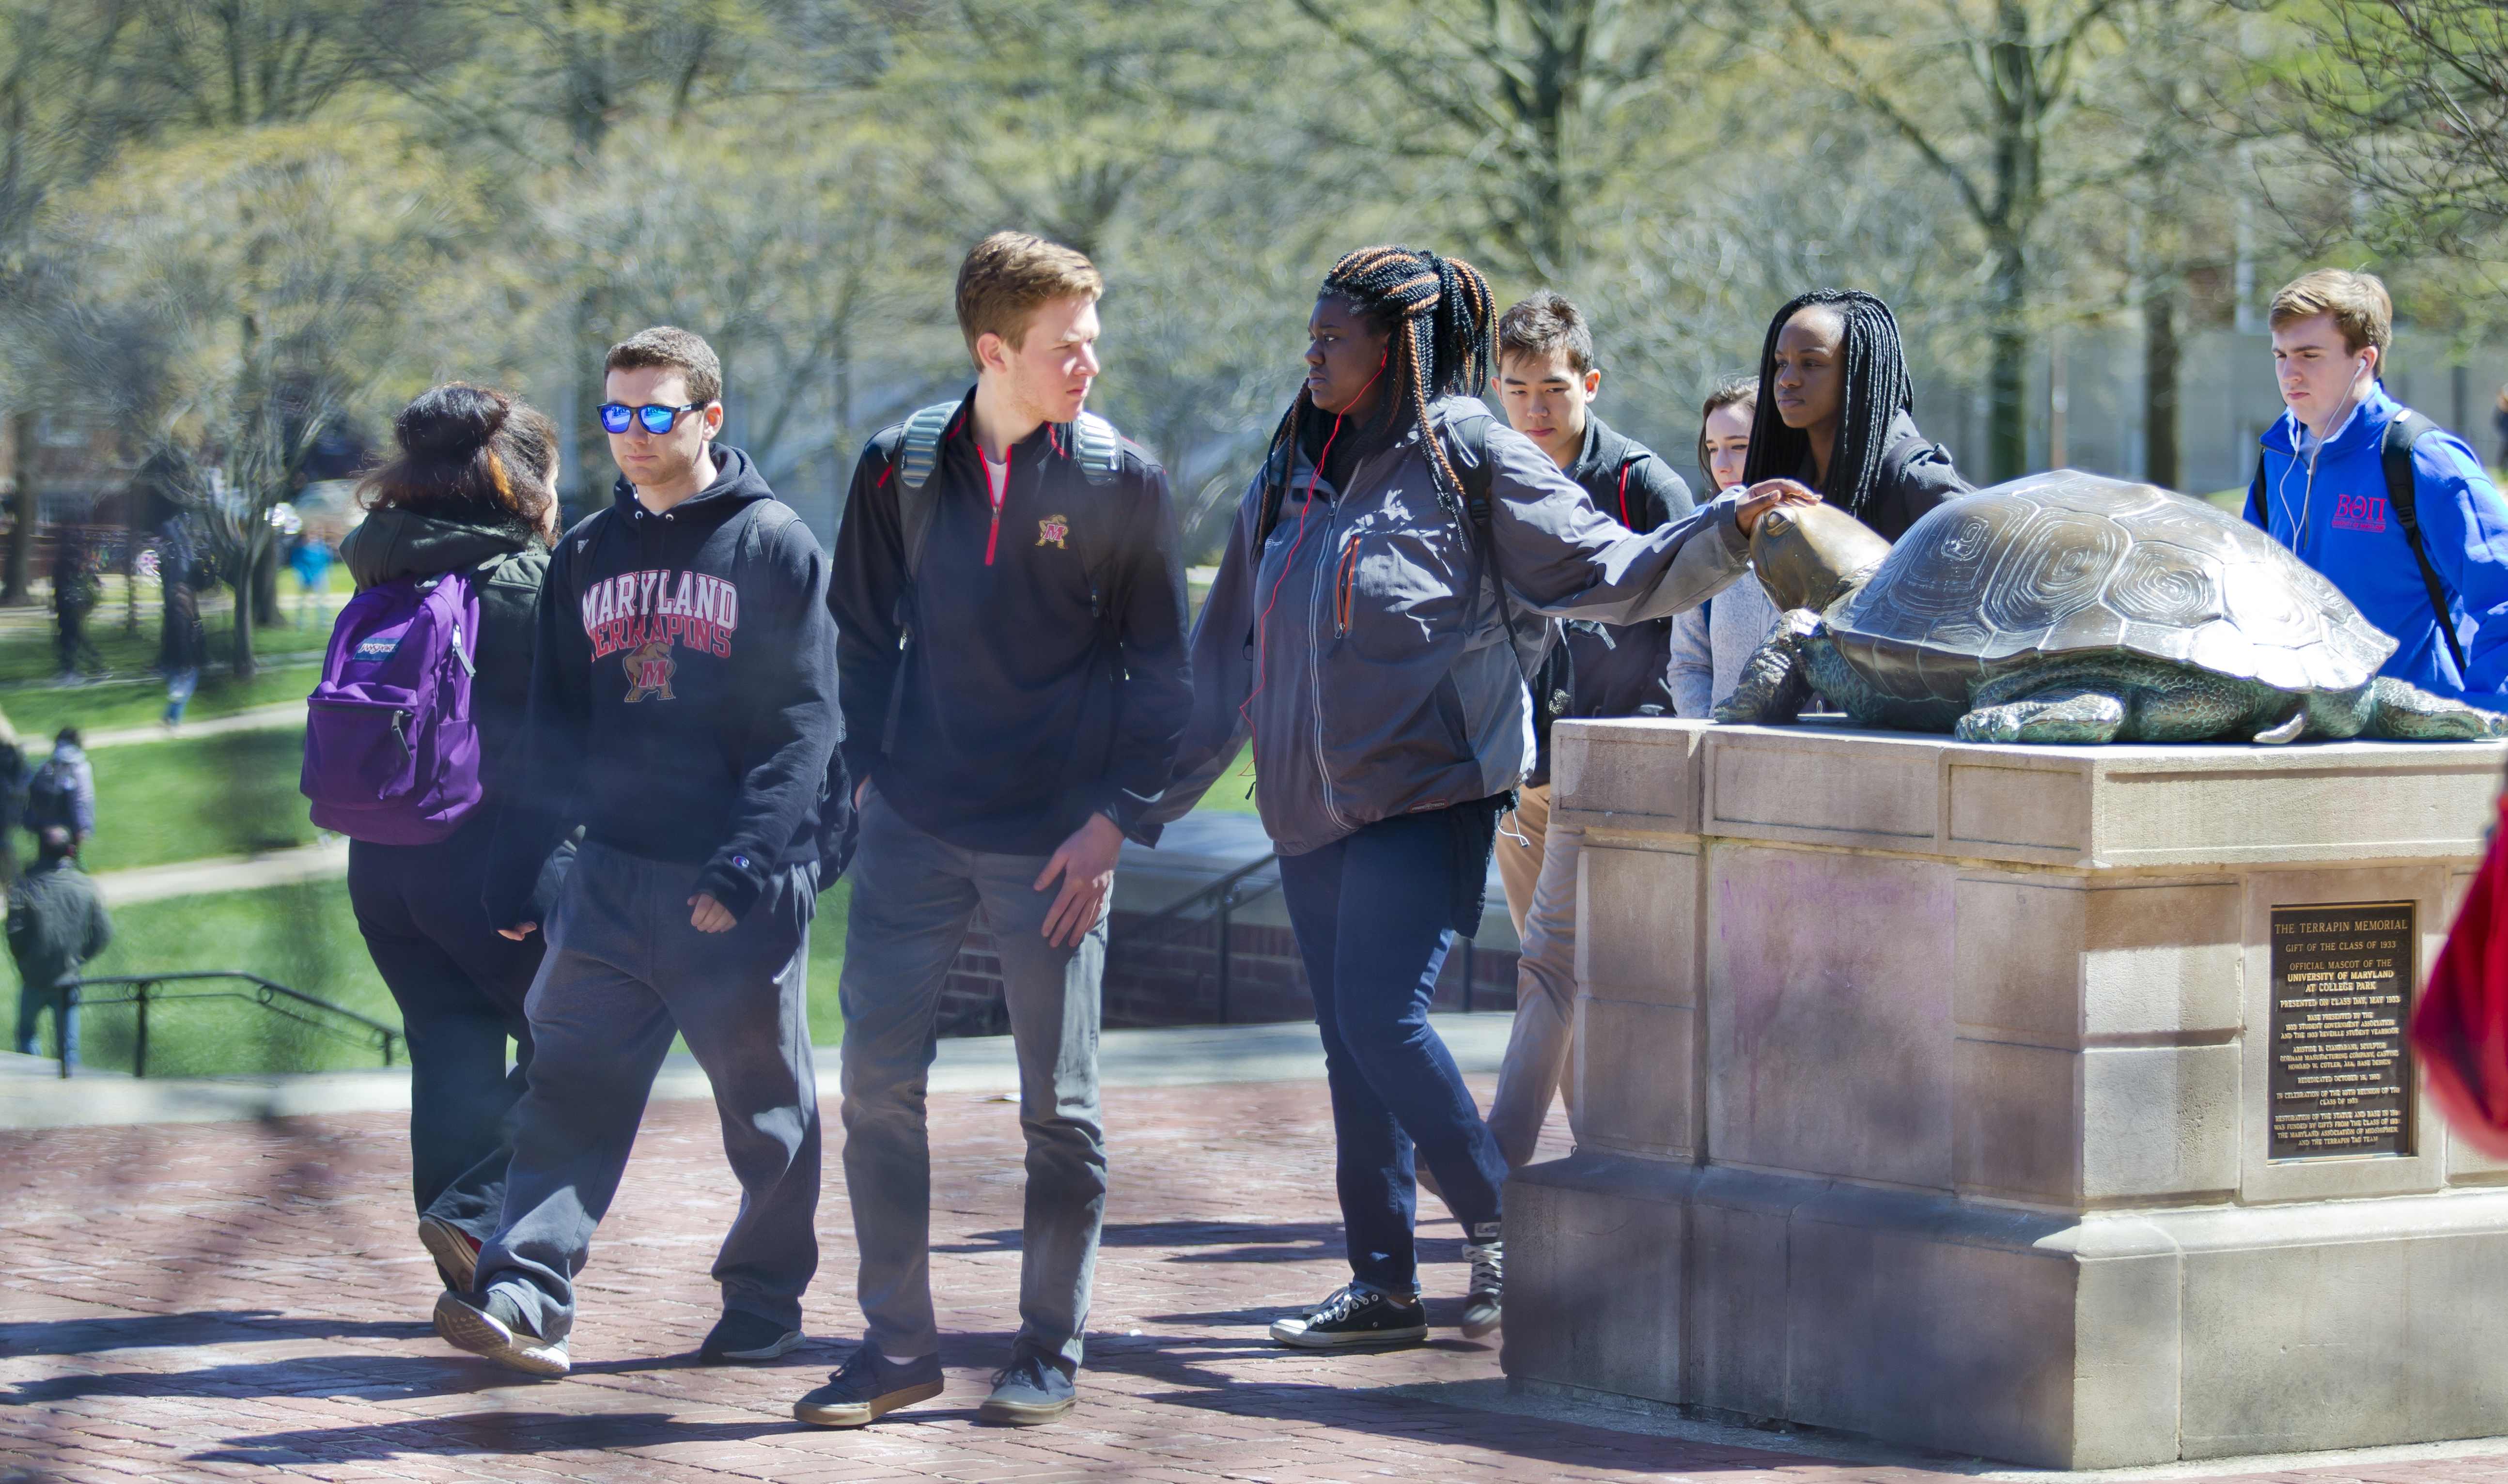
(1481, 1308)
(1354, 1316)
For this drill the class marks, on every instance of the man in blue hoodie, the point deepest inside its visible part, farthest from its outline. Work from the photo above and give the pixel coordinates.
(2321, 489)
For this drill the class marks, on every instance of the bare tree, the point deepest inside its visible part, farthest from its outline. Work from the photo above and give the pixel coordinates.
(1981, 90)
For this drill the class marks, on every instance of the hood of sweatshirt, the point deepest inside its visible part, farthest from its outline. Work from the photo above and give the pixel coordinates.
(736, 483)
(393, 543)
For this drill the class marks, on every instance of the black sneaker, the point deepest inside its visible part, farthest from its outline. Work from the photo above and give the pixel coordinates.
(1029, 1391)
(1354, 1316)
(495, 1327)
(867, 1387)
(455, 1250)
(1483, 1308)
(743, 1336)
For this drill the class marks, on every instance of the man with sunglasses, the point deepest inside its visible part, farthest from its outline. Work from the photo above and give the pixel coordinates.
(682, 712)
(1009, 603)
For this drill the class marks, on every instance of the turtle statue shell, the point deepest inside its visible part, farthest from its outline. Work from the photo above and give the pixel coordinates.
(2068, 563)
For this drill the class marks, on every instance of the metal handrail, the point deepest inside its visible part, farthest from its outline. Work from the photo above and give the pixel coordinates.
(1169, 923)
(269, 993)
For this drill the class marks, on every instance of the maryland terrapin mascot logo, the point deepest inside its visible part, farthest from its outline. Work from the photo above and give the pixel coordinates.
(1052, 530)
(648, 671)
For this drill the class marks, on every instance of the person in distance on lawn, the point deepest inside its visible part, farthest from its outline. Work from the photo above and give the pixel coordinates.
(683, 711)
(1009, 606)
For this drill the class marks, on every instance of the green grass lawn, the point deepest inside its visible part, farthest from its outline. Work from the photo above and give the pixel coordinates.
(306, 937)
(39, 712)
(230, 793)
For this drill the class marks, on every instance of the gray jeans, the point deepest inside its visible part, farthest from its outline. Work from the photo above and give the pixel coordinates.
(914, 897)
(625, 971)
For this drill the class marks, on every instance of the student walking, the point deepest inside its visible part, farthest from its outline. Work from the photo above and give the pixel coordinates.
(1836, 414)
(1010, 604)
(1546, 379)
(1713, 641)
(76, 591)
(61, 790)
(56, 923)
(2393, 510)
(1363, 632)
(471, 493)
(682, 708)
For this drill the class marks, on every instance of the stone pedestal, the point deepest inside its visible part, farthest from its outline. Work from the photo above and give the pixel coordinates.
(1926, 1093)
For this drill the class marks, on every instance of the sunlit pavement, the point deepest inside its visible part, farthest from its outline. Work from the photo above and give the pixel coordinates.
(243, 1299)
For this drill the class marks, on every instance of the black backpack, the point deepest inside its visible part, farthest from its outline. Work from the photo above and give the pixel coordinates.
(51, 796)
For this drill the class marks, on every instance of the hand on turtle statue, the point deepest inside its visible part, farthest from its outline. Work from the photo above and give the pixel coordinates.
(1766, 496)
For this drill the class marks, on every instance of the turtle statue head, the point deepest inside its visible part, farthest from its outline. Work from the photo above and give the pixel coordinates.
(1810, 556)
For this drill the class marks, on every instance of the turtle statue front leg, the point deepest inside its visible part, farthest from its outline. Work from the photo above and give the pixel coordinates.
(1775, 682)
(2409, 713)
(2063, 713)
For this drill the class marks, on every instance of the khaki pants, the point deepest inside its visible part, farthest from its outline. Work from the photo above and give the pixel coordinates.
(1540, 880)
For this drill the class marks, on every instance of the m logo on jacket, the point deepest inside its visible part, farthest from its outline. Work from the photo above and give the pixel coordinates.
(648, 671)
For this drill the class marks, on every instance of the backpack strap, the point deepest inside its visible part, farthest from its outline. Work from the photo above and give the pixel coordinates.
(2395, 451)
(1471, 436)
(1097, 448)
(917, 457)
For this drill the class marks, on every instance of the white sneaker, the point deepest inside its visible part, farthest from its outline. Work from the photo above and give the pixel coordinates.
(1481, 1308)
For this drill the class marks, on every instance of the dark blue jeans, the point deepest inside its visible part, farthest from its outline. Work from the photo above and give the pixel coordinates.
(1373, 915)
(460, 987)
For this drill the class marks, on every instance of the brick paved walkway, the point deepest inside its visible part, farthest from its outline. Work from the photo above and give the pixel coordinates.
(233, 1300)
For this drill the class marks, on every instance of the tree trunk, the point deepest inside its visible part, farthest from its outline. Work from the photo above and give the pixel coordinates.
(2159, 356)
(266, 610)
(28, 504)
(242, 584)
(2007, 380)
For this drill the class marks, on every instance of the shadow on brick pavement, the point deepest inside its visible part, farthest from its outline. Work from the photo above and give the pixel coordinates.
(215, 1301)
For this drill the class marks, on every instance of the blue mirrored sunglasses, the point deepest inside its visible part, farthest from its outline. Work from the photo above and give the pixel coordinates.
(657, 419)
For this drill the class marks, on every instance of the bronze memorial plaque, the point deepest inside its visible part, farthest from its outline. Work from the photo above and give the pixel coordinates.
(2342, 985)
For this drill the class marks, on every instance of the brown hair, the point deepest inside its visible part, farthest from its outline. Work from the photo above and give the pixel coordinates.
(1732, 391)
(1010, 276)
(1544, 325)
(2358, 301)
(683, 350)
(468, 453)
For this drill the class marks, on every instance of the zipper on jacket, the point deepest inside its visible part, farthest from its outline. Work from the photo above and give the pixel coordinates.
(1315, 683)
(993, 537)
(1344, 586)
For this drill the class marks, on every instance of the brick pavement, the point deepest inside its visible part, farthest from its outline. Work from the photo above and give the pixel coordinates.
(239, 1300)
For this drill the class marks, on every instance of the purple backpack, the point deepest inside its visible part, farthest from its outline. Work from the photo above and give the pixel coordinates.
(391, 752)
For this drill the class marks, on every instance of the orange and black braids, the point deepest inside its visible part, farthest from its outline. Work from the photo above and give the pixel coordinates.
(1440, 311)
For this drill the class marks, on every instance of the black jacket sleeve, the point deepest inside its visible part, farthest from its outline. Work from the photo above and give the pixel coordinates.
(1667, 494)
(556, 717)
(1923, 482)
(792, 728)
(866, 577)
(1154, 686)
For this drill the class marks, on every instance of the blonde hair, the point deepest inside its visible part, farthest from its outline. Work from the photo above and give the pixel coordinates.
(1010, 276)
(2358, 303)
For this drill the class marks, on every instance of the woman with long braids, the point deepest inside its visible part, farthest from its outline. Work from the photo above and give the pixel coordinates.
(1370, 629)
(1836, 413)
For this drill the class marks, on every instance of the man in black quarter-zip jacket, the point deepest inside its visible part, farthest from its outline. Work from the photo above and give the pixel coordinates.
(1010, 611)
(683, 711)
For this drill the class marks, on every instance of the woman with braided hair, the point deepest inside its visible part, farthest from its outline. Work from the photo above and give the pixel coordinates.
(1836, 413)
(1370, 631)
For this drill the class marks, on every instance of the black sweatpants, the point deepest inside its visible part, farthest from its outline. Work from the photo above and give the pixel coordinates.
(461, 988)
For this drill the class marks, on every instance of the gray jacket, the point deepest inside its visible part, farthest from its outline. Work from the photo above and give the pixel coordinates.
(1361, 647)
(1711, 645)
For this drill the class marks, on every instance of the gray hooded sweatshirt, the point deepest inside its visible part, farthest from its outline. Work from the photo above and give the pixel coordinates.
(1361, 647)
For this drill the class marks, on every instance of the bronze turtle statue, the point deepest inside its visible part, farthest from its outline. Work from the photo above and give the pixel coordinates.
(2069, 607)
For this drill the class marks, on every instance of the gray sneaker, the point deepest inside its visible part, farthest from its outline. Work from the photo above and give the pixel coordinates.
(868, 1386)
(455, 1250)
(495, 1327)
(1030, 1390)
